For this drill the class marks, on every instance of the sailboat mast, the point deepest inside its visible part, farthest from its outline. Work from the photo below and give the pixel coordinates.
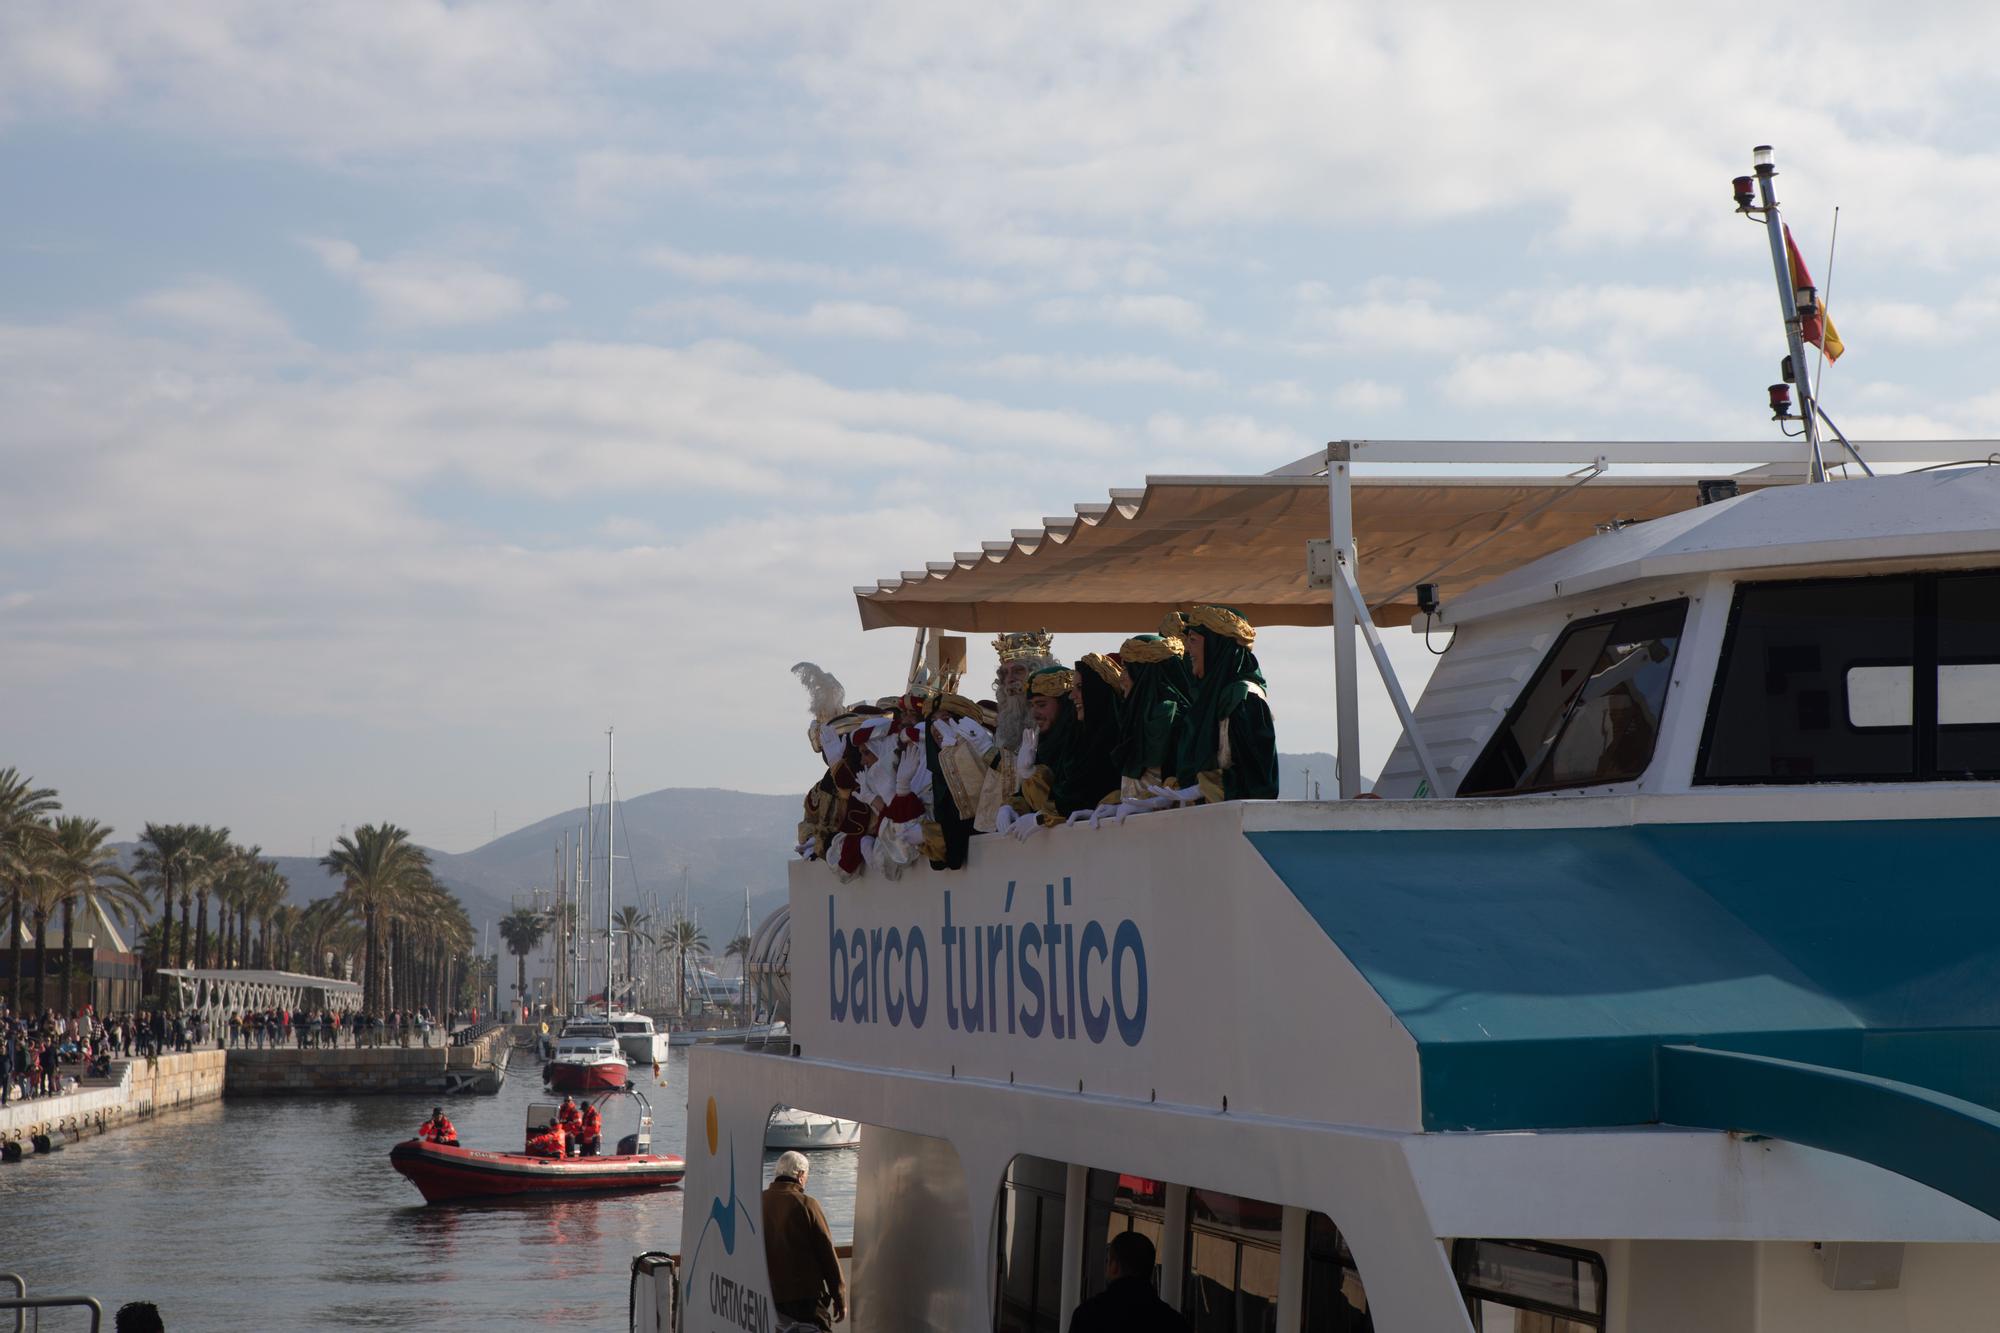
(583, 890)
(610, 860)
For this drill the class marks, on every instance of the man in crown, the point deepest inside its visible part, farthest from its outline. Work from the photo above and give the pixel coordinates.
(1228, 748)
(998, 752)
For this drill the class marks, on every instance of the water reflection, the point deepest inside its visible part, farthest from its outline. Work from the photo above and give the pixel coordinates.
(285, 1214)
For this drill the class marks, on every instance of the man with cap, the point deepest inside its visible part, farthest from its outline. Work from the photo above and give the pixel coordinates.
(1228, 750)
(807, 1284)
(439, 1130)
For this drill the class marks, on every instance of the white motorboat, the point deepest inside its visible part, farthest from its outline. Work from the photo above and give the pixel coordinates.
(1655, 993)
(637, 1037)
(806, 1130)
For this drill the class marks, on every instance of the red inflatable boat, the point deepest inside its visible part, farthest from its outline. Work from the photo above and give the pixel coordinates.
(447, 1174)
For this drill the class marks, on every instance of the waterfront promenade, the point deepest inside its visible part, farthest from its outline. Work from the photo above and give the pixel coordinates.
(139, 1088)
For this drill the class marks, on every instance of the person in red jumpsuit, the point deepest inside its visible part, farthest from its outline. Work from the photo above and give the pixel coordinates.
(590, 1132)
(551, 1142)
(439, 1130)
(572, 1121)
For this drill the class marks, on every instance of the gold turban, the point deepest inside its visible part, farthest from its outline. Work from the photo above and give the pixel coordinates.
(1221, 620)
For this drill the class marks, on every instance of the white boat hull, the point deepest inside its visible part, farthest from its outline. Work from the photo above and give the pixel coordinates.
(805, 1131)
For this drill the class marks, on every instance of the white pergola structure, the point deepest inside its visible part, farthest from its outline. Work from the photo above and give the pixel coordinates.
(217, 992)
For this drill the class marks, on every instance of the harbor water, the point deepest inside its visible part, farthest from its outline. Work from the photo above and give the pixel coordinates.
(283, 1213)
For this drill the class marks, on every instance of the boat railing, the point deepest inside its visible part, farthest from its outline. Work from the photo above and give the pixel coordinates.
(20, 1303)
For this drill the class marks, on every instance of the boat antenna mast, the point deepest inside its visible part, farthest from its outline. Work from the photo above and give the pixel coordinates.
(1757, 198)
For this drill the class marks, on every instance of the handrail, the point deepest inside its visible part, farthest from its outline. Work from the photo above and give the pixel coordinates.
(21, 1291)
(24, 1303)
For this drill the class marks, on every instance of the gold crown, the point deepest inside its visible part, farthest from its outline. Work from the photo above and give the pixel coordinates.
(1027, 645)
(1221, 620)
(1052, 681)
(1109, 669)
(1147, 648)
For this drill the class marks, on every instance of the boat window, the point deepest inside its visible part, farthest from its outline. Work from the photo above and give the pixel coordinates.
(1518, 1286)
(1230, 1281)
(1877, 679)
(1968, 689)
(1591, 712)
(1031, 1225)
(1118, 1203)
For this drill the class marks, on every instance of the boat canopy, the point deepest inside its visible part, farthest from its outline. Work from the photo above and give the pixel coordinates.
(1118, 566)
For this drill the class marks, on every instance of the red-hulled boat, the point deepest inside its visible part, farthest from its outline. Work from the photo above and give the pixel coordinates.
(587, 1059)
(447, 1174)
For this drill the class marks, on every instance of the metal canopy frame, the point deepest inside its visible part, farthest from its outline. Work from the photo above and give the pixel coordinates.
(214, 992)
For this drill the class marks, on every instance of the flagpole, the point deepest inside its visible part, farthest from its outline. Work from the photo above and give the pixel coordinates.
(1781, 265)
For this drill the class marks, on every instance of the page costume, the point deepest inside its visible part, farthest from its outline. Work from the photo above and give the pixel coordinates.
(1229, 747)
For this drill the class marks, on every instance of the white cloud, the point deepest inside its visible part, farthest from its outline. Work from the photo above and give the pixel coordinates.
(822, 319)
(428, 291)
(1367, 396)
(1158, 311)
(1544, 375)
(725, 269)
(219, 306)
(1095, 370)
(1282, 393)
(1376, 324)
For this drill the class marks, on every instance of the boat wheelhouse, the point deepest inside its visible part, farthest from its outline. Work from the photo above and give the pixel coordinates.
(1656, 992)
(586, 1057)
(637, 1037)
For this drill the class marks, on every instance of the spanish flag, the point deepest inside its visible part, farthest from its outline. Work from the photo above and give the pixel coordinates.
(1818, 330)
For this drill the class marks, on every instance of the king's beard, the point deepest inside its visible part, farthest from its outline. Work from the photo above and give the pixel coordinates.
(1014, 719)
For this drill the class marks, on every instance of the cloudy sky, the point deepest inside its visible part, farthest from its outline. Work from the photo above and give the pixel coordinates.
(394, 395)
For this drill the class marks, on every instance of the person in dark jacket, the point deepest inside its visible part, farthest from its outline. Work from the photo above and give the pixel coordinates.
(806, 1282)
(1128, 1303)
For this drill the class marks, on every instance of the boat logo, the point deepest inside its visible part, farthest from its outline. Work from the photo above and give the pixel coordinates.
(740, 1306)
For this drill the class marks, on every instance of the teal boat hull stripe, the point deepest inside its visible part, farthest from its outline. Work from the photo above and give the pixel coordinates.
(1945, 1142)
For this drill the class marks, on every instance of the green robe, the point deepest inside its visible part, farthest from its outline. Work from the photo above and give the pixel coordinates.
(1095, 777)
(1150, 718)
(1229, 693)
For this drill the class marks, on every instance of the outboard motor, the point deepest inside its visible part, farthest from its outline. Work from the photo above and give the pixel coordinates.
(628, 1146)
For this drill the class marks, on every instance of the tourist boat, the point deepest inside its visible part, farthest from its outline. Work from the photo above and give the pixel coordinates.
(1654, 993)
(586, 1058)
(641, 1042)
(455, 1174)
(789, 1128)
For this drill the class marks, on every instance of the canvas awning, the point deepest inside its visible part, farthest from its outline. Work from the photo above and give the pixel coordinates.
(1119, 567)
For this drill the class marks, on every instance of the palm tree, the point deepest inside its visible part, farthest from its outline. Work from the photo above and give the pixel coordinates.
(23, 833)
(164, 860)
(379, 866)
(681, 938)
(522, 929)
(85, 876)
(631, 923)
(214, 855)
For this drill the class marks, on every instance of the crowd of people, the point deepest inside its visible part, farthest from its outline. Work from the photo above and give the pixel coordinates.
(1175, 718)
(39, 1050)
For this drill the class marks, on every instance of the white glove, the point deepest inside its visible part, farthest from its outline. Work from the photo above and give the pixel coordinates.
(1003, 819)
(1026, 827)
(1025, 756)
(1082, 817)
(1176, 796)
(907, 765)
